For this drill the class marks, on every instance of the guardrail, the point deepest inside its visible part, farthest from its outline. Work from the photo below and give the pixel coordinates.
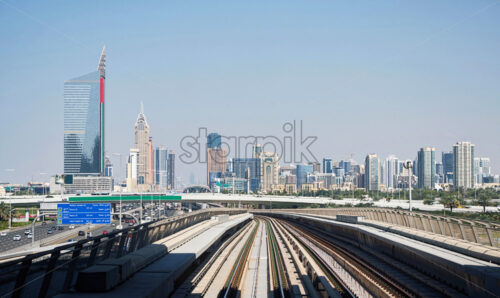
(482, 232)
(51, 272)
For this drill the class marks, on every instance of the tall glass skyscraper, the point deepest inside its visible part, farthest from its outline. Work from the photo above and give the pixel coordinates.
(372, 172)
(84, 122)
(302, 171)
(426, 168)
(248, 168)
(161, 158)
(327, 165)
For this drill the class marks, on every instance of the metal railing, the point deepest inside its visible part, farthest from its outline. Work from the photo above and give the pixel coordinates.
(48, 273)
(482, 232)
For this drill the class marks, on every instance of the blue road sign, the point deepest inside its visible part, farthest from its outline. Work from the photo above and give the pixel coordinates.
(77, 214)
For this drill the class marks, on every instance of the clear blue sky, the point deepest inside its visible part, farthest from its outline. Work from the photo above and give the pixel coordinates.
(370, 76)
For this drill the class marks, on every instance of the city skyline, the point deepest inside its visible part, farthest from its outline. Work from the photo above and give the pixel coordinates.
(423, 105)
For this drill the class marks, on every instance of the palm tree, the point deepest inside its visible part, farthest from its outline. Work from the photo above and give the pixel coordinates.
(449, 201)
(4, 211)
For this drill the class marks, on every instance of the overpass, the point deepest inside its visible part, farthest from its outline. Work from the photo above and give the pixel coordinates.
(264, 200)
(355, 252)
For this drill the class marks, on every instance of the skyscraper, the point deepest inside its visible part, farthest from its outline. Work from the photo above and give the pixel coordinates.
(447, 161)
(143, 145)
(426, 168)
(372, 172)
(327, 165)
(270, 170)
(302, 171)
(132, 170)
(248, 168)
(214, 140)
(463, 165)
(108, 167)
(161, 158)
(84, 122)
(481, 168)
(392, 171)
(216, 164)
(171, 170)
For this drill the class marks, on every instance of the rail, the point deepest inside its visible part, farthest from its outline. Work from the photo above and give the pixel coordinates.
(482, 232)
(48, 273)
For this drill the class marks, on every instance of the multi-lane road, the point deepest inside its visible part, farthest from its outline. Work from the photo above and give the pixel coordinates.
(41, 231)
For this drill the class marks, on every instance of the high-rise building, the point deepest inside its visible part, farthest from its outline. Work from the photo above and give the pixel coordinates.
(447, 161)
(372, 172)
(482, 169)
(151, 162)
(392, 171)
(142, 143)
(327, 165)
(216, 164)
(161, 158)
(214, 140)
(439, 172)
(171, 170)
(108, 167)
(84, 122)
(250, 169)
(426, 168)
(463, 165)
(316, 166)
(270, 170)
(132, 170)
(302, 172)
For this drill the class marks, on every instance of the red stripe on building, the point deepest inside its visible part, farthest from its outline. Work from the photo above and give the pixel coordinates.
(102, 90)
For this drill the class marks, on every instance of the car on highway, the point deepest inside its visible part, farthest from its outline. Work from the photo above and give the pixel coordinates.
(72, 226)
(16, 238)
(81, 233)
(27, 231)
(2, 234)
(60, 228)
(44, 223)
(89, 234)
(49, 231)
(71, 240)
(53, 228)
(104, 232)
(29, 236)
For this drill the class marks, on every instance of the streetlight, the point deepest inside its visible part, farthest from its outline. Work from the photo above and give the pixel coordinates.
(43, 181)
(408, 166)
(10, 200)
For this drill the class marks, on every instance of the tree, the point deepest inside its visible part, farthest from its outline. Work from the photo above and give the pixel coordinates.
(4, 211)
(449, 201)
(483, 200)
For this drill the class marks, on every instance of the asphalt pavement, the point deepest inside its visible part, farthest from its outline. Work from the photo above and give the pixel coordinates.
(7, 243)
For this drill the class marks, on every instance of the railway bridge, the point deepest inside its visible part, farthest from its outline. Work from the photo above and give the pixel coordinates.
(222, 252)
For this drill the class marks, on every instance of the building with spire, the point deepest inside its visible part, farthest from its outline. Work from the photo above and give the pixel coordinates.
(143, 144)
(84, 122)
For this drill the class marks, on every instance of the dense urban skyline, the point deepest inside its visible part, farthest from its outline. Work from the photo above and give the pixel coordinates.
(428, 81)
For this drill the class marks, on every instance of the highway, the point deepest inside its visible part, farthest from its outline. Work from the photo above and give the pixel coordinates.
(7, 243)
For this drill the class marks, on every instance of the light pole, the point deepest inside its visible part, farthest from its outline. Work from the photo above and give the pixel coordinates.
(10, 200)
(43, 182)
(408, 166)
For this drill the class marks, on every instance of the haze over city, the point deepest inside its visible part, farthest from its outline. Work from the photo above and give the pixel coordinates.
(385, 78)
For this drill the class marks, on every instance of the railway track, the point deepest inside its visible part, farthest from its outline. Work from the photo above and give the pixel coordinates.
(374, 274)
(277, 258)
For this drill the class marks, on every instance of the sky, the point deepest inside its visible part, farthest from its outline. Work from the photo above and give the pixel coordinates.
(385, 77)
